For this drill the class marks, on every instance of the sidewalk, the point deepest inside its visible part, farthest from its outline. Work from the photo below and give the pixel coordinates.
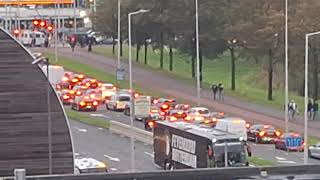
(175, 88)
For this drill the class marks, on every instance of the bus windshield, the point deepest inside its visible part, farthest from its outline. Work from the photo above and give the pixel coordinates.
(234, 159)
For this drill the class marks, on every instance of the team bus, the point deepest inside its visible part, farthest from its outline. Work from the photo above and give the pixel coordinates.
(182, 145)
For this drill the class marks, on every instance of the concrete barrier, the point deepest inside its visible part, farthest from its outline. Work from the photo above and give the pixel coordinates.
(138, 134)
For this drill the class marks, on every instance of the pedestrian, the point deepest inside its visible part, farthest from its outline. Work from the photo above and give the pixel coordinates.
(221, 91)
(46, 42)
(89, 45)
(293, 108)
(310, 109)
(214, 89)
(315, 109)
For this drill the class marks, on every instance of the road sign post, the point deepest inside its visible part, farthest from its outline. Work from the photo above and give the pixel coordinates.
(120, 73)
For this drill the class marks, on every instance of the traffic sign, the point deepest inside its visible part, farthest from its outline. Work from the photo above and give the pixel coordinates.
(120, 73)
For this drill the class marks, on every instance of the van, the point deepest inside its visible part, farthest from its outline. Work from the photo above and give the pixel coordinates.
(233, 125)
(26, 38)
(118, 102)
(56, 73)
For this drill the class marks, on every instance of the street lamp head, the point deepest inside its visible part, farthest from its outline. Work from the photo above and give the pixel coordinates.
(144, 10)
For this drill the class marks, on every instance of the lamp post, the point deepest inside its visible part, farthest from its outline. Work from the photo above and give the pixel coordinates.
(305, 155)
(119, 32)
(232, 45)
(74, 16)
(286, 101)
(55, 32)
(197, 54)
(130, 82)
(46, 62)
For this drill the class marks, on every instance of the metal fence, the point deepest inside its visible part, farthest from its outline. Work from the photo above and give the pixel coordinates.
(280, 172)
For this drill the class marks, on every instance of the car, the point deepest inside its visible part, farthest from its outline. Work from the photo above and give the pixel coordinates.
(289, 142)
(79, 90)
(314, 151)
(70, 82)
(67, 96)
(91, 83)
(198, 113)
(118, 102)
(177, 115)
(183, 107)
(84, 165)
(96, 94)
(84, 103)
(108, 90)
(260, 133)
(160, 101)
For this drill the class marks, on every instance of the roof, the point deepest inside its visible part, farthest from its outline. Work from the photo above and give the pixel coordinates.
(88, 163)
(200, 108)
(200, 130)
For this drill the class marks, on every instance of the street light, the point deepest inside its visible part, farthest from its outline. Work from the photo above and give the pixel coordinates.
(286, 69)
(305, 157)
(130, 82)
(119, 32)
(46, 62)
(197, 54)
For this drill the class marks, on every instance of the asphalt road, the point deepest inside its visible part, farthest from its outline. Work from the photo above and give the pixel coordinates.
(264, 151)
(112, 149)
(181, 90)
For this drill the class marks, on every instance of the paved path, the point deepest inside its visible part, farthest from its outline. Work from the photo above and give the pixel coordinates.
(178, 89)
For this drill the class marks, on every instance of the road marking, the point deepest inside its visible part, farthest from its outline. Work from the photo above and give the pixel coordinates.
(287, 162)
(149, 154)
(280, 158)
(252, 165)
(100, 128)
(76, 154)
(97, 115)
(112, 158)
(113, 169)
(81, 130)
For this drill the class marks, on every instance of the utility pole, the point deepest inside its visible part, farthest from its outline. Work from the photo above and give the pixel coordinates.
(286, 69)
(74, 16)
(119, 31)
(198, 55)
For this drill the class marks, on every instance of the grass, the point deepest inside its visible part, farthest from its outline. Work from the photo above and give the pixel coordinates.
(250, 82)
(256, 161)
(313, 140)
(94, 121)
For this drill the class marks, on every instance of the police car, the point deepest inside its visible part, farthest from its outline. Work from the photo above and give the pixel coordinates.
(89, 165)
(289, 142)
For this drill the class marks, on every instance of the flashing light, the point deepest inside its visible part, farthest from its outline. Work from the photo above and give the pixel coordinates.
(50, 28)
(247, 125)
(261, 133)
(75, 80)
(64, 79)
(188, 118)
(295, 135)
(35, 22)
(16, 32)
(82, 103)
(277, 133)
(172, 118)
(95, 103)
(42, 23)
(151, 124)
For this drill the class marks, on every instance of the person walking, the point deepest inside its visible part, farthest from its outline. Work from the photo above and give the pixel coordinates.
(310, 109)
(214, 89)
(90, 45)
(315, 110)
(221, 91)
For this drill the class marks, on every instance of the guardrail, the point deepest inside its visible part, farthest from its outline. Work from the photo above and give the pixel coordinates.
(283, 172)
(138, 134)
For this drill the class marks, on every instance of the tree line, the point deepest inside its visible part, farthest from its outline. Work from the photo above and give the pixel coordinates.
(245, 28)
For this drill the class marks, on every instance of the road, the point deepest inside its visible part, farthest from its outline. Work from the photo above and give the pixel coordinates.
(181, 90)
(110, 148)
(264, 151)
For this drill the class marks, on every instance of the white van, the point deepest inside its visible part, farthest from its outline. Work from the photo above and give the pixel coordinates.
(118, 102)
(56, 73)
(26, 38)
(233, 125)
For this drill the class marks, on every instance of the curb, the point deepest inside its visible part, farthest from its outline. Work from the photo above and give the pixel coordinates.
(138, 134)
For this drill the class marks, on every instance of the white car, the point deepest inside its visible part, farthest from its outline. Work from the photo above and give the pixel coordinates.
(314, 151)
(108, 90)
(27, 36)
(198, 113)
(118, 102)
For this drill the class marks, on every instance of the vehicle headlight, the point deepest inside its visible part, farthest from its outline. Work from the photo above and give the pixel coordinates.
(214, 140)
(241, 138)
(311, 147)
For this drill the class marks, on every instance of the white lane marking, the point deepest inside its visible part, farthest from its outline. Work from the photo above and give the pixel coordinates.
(100, 128)
(252, 165)
(280, 158)
(112, 158)
(97, 115)
(113, 169)
(149, 154)
(81, 130)
(287, 162)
